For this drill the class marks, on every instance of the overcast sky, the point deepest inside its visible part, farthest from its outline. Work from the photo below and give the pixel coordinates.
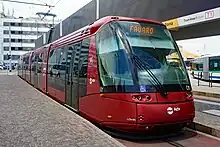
(206, 45)
(65, 8)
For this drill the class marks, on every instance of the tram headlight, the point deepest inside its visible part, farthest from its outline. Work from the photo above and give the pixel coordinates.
(139, 98)
(189, 95)
(146, 98)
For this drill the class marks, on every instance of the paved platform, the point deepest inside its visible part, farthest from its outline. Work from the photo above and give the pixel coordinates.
(203, 89)
(207, 118)
(29, 118)
(207, 123)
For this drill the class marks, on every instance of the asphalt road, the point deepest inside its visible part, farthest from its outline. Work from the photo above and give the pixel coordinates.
(186, 139)
(204, 105)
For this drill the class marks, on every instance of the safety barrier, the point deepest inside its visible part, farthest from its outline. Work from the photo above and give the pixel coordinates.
(200, 75)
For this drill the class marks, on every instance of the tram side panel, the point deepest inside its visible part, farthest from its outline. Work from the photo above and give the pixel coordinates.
(44, 70)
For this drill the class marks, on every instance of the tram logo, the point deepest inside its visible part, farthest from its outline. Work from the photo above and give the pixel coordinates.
(91, 80)
(171, 110)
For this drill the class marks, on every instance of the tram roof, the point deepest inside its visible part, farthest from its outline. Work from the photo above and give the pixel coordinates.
(92, 29)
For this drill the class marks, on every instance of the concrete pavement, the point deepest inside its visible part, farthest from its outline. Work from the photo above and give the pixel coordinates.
(203, 89)
(30, 118)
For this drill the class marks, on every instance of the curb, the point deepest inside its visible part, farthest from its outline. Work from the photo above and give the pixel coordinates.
(205, 129)
(207, 94)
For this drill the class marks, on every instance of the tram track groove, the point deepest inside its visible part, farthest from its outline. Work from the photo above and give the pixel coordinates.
(174, 143)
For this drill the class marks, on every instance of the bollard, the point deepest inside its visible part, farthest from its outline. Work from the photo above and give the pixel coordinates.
(211, 79)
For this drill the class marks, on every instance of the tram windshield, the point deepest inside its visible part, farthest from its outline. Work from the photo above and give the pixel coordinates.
(137, 57)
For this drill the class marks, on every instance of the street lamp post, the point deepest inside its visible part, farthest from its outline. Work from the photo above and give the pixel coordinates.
(97, 9)
(10, 47)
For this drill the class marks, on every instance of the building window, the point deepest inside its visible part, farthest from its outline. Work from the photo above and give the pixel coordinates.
(6, 48)
(5, 57)
(33, 25)
(13, 24)
(20, 40)
(13, 57)
(6, 23)
(26, 48)
(16, 24)
(28, 40)
(15, 48)
(21, 32)
(6, 32)
(6, 39)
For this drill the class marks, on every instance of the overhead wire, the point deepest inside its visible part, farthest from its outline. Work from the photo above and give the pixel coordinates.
(30, 3)
(42, 19)
(41, 1)
(50, 9)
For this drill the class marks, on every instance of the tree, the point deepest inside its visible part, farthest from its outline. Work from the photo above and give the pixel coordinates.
(13, 12)
(3, 11)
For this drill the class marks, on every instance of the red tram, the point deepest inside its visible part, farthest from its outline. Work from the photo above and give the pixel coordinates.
(122, 73)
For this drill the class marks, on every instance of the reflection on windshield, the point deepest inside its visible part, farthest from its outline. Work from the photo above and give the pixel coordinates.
(156, 51)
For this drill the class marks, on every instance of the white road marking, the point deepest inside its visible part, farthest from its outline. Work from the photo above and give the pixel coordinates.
(207, 102)
(213, 112)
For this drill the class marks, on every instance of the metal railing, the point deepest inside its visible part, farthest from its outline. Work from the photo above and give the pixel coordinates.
(210, 79)
(200, 76)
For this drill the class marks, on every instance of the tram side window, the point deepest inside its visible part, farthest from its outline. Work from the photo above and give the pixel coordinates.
(68, 59)
(33, 63)
(60, 68)
(75, 66)
(40, 62)
(26, 62)
(23, 63)
(214, 65)
(83, 58)
(83, 66)
(51, 70)
(51, 62)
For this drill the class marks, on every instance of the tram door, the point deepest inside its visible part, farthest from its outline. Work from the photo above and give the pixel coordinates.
(72, 76)
(34, 70)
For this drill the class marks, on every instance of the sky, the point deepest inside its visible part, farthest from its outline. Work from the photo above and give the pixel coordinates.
(201, 46)
(64, 8)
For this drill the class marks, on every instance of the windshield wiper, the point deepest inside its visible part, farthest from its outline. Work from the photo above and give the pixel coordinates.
(158, 85)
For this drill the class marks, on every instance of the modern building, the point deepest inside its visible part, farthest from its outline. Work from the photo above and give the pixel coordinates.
(22, 32)
(160, 10)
